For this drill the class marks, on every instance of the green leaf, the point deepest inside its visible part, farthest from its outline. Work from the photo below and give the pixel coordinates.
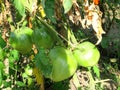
(67, 4)
(105, 42)
(6, 84)
(14, 55)
(96, 71)
(19, 6)
(1, 65)
(43, 63)
(0, 77)
(118, 88)
(2, 42)
(24, 75)
(49, 10)
(2, 54)
(21, 84)
(43, 3)
(30, 81)
(61, 85)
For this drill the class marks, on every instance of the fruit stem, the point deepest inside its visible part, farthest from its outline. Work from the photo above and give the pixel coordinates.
(21, 21)
(71, 38)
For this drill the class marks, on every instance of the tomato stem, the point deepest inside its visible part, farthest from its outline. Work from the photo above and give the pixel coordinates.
(92, 82)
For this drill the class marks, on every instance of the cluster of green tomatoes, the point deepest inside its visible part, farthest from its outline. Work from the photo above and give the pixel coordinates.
(64, 61)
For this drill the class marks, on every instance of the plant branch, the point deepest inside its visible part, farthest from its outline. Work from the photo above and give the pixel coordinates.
(103, 81)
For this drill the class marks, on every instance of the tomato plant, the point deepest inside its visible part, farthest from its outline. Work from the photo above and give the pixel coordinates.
(86, 54)
(42, 43)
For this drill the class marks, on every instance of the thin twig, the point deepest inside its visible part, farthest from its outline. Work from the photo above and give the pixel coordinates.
(106, 80)
(52, 30)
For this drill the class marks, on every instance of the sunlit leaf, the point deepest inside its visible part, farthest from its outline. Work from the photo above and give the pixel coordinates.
(19, 6)
(118, 88)
(30, 81)
(19, 83)
(67, 4)
(96, 71)
(14, 54)
(1, 65)
(28, 70)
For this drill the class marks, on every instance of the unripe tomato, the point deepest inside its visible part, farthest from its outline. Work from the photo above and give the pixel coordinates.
(86, 54)
(20, 39)
(64, 63)
(42, 39)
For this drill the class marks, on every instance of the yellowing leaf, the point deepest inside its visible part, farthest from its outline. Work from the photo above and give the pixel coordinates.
(32, 57)
(97, 26)
(41, 10)
(93, 17)
(39, 78)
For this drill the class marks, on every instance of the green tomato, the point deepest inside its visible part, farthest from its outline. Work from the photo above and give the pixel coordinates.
(20, 39)
(64, 63)
(42, 39)
(86, 54)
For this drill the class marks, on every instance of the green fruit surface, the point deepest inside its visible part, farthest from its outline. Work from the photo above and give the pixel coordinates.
(86, 54)
(20, 39)
(64, 63)
(42, 39)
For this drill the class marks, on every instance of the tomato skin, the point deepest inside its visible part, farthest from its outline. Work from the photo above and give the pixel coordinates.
(20, 39)
(96, 2)
(64, 63)
(42, 39)
(86, 54)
